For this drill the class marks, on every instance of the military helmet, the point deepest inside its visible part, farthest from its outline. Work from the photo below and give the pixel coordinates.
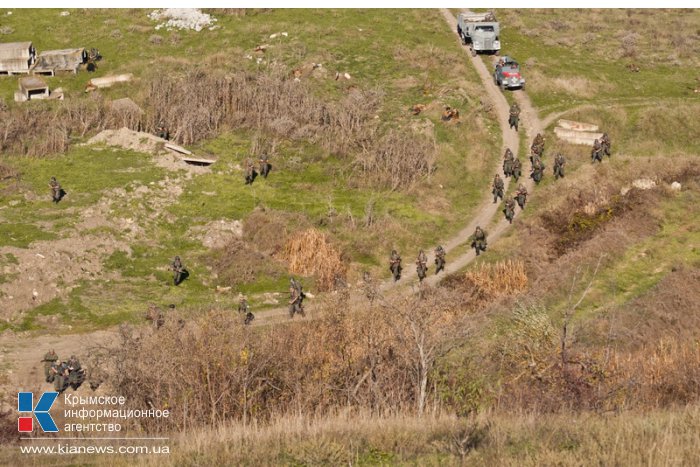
(177, 257)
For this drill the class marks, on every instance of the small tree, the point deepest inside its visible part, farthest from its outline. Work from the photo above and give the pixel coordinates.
(427, 327)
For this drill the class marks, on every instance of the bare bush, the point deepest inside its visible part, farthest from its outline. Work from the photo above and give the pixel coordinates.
(310, 253)
(213, 368)
(238, 263)
(489, 281)
(398, 160)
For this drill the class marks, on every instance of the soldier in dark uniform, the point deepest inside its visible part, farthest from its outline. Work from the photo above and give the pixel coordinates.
(162, 131)
(537, 170)
(605, 144)
(56, 190)
(61, 376)
(395, 265)
(244, 309)
(559, 162)
(508, 163)
(596, 152)
(509, 209)
(296, 298)
(439, 259)
(264, 165)
(517, 169)
(249, 172)
(179, 271)
(514, 116)
(521, 196)
(50, 359)
(497, 188)
(421, 265)
(478, 240)
(537, 145)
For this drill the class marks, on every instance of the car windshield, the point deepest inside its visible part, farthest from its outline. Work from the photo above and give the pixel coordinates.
(485, 28)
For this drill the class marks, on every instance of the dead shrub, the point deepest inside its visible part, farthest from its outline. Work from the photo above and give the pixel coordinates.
(398, 160)
(269, 230)
(310, 253)
(198, 103)
(212, 368)
(489, 281)
(238, 263)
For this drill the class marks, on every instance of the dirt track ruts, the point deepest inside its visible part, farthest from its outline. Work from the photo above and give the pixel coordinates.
(25, 354)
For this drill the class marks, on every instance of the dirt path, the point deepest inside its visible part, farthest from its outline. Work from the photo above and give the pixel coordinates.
(25, 353)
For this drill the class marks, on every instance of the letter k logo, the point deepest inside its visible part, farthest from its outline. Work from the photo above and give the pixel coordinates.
(25, 403)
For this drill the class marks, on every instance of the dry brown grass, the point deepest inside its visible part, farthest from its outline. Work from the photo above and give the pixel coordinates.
(493, 280)
(310, 253)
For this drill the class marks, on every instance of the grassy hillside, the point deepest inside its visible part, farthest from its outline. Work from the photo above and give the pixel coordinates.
(408, 57)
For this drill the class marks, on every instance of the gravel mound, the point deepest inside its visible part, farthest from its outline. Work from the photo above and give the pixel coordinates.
(182, 18)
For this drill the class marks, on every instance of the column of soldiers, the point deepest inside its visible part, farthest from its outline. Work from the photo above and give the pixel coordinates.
(421, 263)
(63, 374)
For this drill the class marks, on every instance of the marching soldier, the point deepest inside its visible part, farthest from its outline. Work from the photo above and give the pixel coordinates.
(179, 271)
(421, 265)
(514, 116)
(56, 190)
(264, 165)
(439, 259)
(517, 169)
(163, 131)
(497, 188)
(478, 240)
(509, 209)
(537, 170)
(296, 298)
(559, 162)
(508, 163)
(605, 144)
(249, 172)
(596, 152)
(521, 196)
(395, 265)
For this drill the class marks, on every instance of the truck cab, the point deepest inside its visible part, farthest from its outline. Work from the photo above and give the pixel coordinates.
(480, 31)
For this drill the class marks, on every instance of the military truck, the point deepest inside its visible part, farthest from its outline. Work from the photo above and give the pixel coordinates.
(480, 31)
